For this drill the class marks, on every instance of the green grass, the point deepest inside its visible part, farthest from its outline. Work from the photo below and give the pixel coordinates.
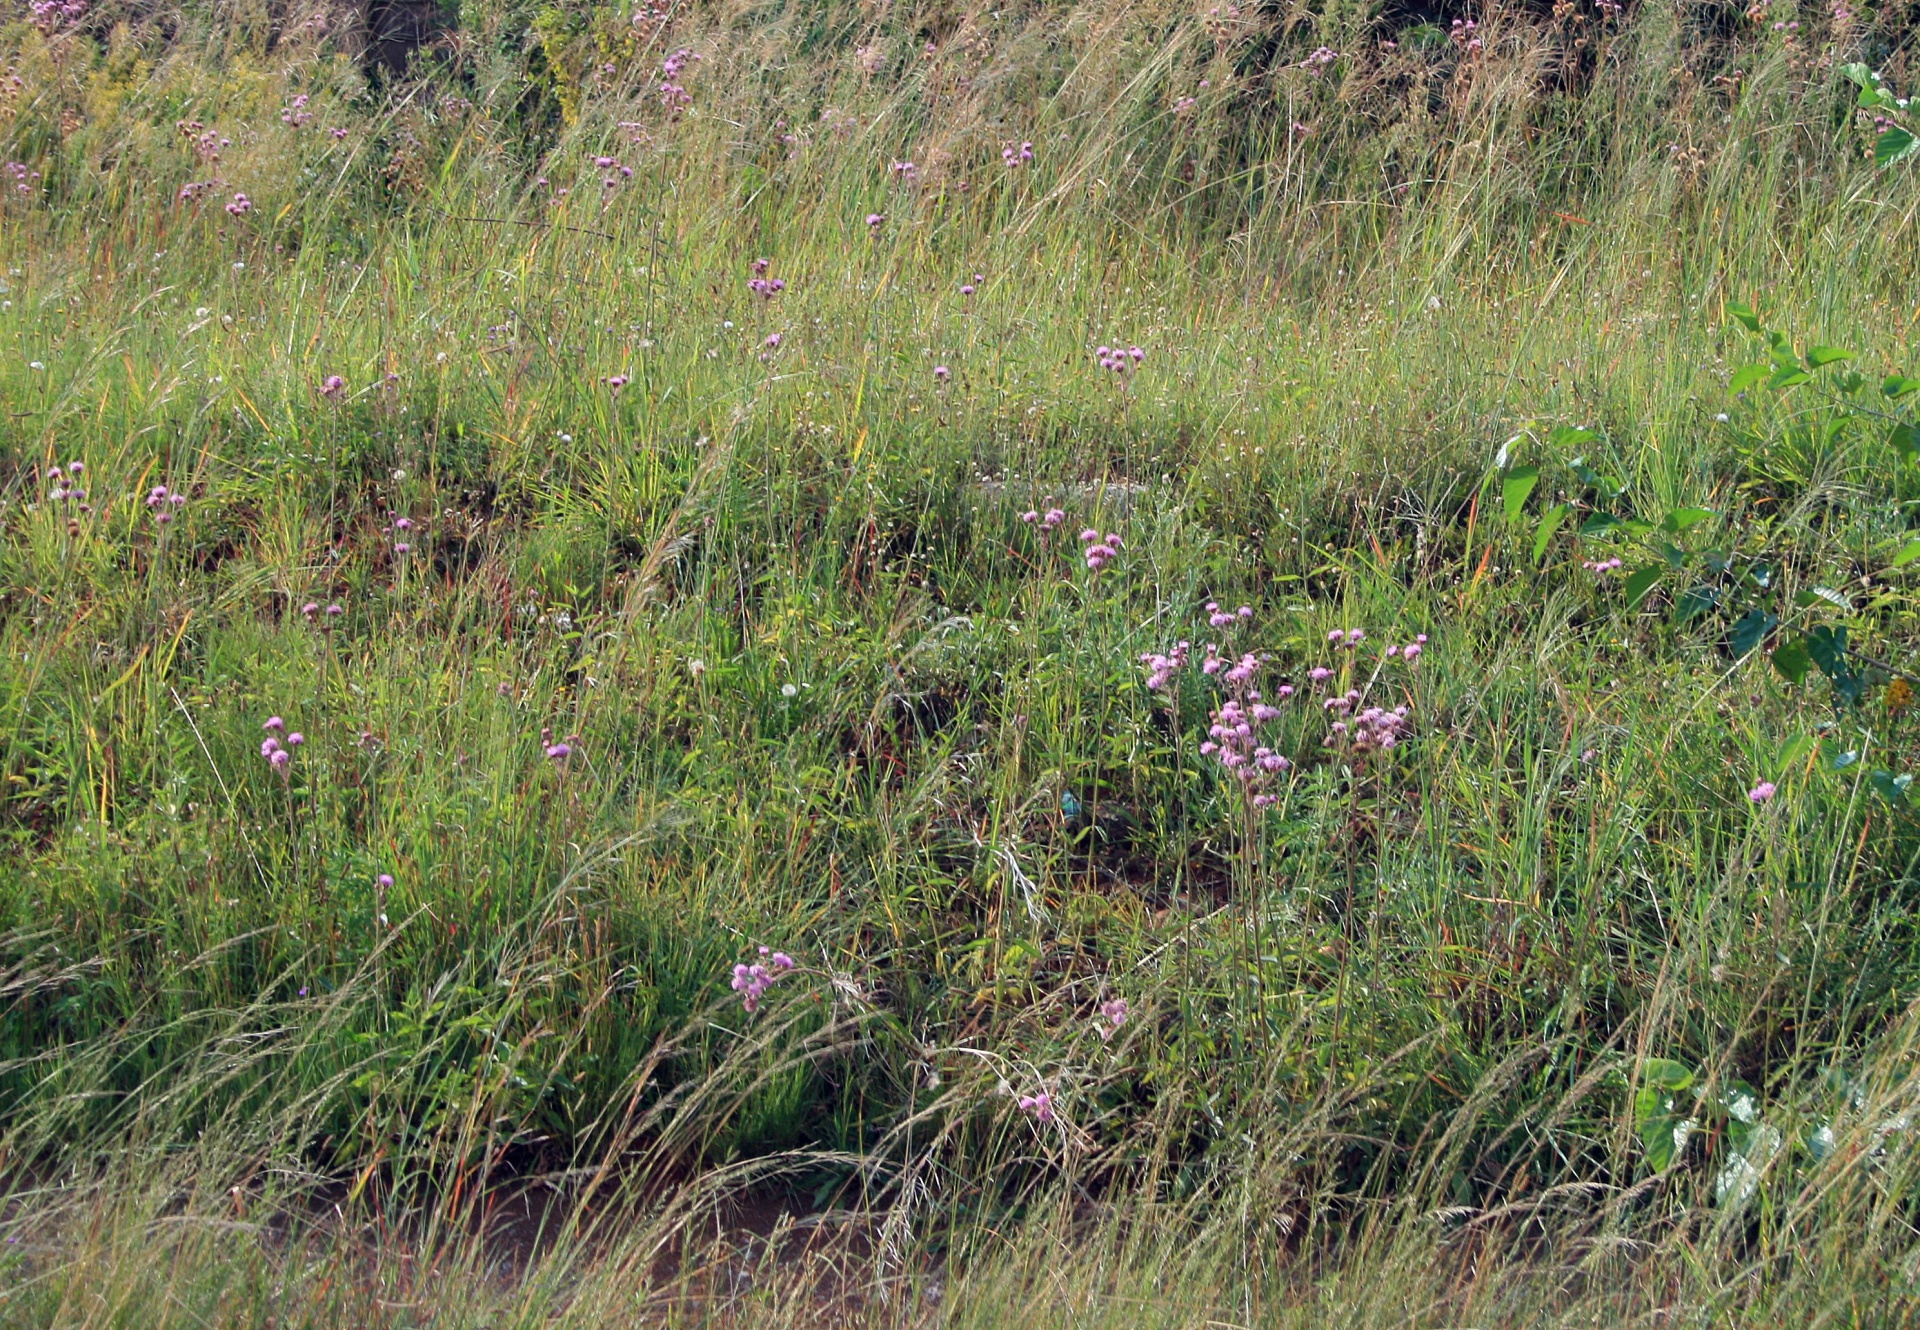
(1398, 1048)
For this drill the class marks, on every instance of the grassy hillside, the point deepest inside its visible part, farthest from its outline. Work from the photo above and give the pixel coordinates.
(490, 553)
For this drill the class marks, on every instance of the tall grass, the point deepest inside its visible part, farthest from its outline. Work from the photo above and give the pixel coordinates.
(295, 1043)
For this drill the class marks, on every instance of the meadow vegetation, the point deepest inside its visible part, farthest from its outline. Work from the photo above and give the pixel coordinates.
(757, 662)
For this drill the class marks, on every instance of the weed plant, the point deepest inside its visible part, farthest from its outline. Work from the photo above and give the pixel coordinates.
(624, 696)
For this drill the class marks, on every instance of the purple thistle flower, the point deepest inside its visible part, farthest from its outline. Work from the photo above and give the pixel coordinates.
(1762, 792)
(942, 373)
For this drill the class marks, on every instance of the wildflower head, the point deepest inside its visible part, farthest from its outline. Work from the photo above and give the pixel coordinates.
(1038, 1106)
(751, 981)
(1762, 792)
(942, 373)
(333, 386)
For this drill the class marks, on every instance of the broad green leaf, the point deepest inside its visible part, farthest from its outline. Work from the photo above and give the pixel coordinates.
(1666, 1073)
(1818, 357)
(1791, 751)
(1744, 315)
(1653, 1122)
(1792, 660)
(1899, 385)
(1788, 377)
(1641, 582)
(1908, 553)
(1675, 556)
(1682, 518)
(1817, 595)
(1695, 601)
(1890, 787)
(1549, 523)
(1570, 436)
(1746, 377)
(1828, 647)
(1751, 631)
(1894, 145)
(1514, 490)
(1906, 439)
(1858, 73)
(1838, 758)
(1608, 486)
(1597, 523)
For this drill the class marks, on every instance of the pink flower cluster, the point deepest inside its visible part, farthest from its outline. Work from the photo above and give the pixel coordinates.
(163, 502)
(1763, 792)
(752, 981)
(763, 286)
(1374, 729)
(557, 751)
(1016, 156)
(52, 15)
(295, 112)
(206, 143)
(401, 527)
(615, 382)
(1117, 360)
(673, 96)
(1598, 567)
(279, 756)
(1162, 668)
(1047, 521)
(1101, 550)
(1113, 1015)
(66, 485)
(239, 206)
(1037, 1106)
(311, 612)
(1319, 59)
(333, 387)
(615, 172)
(1462, 35)
(194, 190)
(23, 178)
